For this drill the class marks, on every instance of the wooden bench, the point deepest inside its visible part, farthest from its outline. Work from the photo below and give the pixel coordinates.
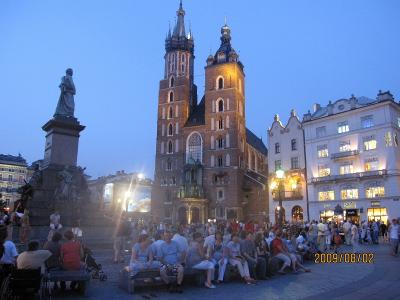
(82, 277)
(149, 277)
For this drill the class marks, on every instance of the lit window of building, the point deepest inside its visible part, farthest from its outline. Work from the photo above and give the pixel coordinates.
(349, 194)
(388, 139)
(323, 170)
(278, 165)
(375, 191)
(322, 151)
(367, 121)
(344, 146)
(346, 169)
(342, 127)
(326, 195)
(369, 143)
(371, 164)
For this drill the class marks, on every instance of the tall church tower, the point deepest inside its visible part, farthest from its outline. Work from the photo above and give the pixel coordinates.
(177, 98)
(225, 130)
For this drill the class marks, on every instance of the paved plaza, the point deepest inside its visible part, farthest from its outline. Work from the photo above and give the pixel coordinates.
(326, 281)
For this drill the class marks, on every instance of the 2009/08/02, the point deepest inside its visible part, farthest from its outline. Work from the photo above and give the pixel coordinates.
(364, 258)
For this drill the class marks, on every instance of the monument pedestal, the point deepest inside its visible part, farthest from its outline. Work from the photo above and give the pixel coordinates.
(60, 183)
(62, 141)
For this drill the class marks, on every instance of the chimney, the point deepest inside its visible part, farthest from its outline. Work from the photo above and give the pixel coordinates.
(316, 107)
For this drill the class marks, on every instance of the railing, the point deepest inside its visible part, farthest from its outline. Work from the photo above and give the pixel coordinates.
(339, 155)
(288, 195)
(11, 180)
(191, 191)
(357, 175)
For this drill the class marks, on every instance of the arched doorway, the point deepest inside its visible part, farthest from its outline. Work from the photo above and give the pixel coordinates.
(277, 214)
(182, 215)
(195, 215)
(297, 213)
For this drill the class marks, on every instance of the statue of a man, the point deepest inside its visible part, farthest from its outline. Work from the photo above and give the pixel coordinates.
(66, 105)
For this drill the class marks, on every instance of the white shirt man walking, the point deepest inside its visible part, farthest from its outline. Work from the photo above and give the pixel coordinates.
(347, 231)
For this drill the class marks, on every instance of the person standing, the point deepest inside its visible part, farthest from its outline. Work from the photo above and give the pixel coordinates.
(355, 238)
(375, 232)
(8, 254)
(25, 227)
(347, 231)
(122, 233)
(321, 236)
(394, 231)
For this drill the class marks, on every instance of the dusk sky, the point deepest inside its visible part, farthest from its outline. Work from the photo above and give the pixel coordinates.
(295, 53)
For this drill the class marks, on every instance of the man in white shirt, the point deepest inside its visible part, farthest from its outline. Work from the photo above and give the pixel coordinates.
(182, 242)
(394, 232)
(321, 236)
(347, 231)
(33, 258)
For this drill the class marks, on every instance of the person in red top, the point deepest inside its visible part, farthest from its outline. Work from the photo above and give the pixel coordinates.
(235, 226)
(71, 256)
(279, 251)
(249, 227)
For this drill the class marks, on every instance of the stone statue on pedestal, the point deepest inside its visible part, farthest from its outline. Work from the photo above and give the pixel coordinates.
(66, 104)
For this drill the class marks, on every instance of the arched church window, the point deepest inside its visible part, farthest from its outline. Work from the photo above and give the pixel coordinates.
(220, 83)
(170, 129)
(194, 148)
(171, 94)
(170, 113)
(220, 124)
(220, 105)
(170, 147)
(171, 82)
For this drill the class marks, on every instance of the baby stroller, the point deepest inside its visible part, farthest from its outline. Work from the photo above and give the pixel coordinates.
(92, 266)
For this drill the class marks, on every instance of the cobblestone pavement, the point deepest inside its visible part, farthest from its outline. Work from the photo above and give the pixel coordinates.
(326, 281)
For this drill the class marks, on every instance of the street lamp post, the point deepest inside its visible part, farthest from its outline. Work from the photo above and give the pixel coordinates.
(280, 175)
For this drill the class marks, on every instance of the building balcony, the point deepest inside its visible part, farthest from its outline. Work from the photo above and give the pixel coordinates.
(288, 195)
(191, 191)
(345, 154)
(351, 176)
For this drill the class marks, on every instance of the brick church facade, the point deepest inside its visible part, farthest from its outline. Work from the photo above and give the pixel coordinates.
(208, 164)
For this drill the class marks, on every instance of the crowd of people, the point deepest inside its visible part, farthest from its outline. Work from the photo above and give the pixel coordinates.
(63, 250)
(212, 248)
(249, 247)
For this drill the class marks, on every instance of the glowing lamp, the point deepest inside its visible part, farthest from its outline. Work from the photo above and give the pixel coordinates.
(280, 174)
